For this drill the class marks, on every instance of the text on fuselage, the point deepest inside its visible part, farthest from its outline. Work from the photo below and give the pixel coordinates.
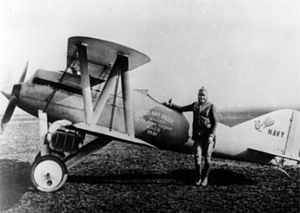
(158, 122)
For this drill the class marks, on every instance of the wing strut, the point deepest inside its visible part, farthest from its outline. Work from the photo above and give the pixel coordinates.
(50, 97)
(129, 127)
(85, 84)
(119, 66)
(114, 103)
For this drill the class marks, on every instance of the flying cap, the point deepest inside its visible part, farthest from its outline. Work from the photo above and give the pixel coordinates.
(203, 91)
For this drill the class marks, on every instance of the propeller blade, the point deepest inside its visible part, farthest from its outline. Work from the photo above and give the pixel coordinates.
(8, 112)
(13, 100)
(22, 78)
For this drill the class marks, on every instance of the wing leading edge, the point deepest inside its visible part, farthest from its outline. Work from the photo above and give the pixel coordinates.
(99, 130)
(101, 54)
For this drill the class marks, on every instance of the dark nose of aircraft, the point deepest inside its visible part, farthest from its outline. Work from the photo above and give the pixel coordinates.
(6, 91)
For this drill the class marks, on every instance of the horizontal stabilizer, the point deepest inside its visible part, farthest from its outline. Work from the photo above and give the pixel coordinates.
(276, 154)
(99, 130)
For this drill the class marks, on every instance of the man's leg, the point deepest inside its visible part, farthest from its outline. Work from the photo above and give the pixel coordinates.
(207, 151)
(198, 159)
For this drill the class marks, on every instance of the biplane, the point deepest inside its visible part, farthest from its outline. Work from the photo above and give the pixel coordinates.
(90, 103)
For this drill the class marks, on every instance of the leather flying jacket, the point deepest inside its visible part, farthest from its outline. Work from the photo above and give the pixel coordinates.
(204, 117)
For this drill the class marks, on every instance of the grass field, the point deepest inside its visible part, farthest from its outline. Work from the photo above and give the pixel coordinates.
(127, 178)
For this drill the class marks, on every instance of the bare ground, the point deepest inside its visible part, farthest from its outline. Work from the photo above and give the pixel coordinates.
(127, 178)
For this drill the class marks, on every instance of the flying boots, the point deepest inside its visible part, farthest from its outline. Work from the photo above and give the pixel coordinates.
(205, 173)
(197, 160)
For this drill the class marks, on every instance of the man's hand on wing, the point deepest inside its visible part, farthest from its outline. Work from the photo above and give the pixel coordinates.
(169, 104)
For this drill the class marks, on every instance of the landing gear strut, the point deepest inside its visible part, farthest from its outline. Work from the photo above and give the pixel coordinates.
(48, 172)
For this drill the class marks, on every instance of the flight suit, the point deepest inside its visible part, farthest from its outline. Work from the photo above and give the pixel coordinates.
(204, 126)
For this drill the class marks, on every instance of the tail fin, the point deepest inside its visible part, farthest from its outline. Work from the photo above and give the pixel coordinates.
(273, 133)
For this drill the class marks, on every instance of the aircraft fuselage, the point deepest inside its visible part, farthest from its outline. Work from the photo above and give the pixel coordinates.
(154, 123)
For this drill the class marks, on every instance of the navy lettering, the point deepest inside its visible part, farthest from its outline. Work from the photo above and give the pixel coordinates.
(276, 133)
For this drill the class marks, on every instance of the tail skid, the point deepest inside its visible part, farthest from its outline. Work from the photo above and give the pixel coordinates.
(283, 171)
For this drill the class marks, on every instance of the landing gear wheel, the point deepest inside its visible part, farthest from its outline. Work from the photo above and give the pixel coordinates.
(48, 173)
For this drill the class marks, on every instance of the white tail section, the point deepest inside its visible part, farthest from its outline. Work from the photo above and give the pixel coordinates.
(273, 133)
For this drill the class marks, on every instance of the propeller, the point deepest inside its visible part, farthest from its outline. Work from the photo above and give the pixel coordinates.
(13, 99)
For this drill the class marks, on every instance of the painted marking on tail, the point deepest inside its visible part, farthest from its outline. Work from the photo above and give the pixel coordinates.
(259, 125)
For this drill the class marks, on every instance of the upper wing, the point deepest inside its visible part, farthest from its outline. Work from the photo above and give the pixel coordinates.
(102, 54)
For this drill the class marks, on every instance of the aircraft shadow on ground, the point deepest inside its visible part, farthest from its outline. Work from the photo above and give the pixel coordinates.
(218, 177)
(14, 182)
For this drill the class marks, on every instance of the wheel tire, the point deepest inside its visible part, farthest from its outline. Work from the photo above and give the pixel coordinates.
(48, 173)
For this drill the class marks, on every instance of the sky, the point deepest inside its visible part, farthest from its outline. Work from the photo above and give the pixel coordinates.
(246, 53)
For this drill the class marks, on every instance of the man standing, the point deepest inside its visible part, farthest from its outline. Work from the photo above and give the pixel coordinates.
(204, 128)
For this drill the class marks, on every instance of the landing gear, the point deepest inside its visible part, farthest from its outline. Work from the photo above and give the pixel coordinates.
(58, 153)
(48, 173)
